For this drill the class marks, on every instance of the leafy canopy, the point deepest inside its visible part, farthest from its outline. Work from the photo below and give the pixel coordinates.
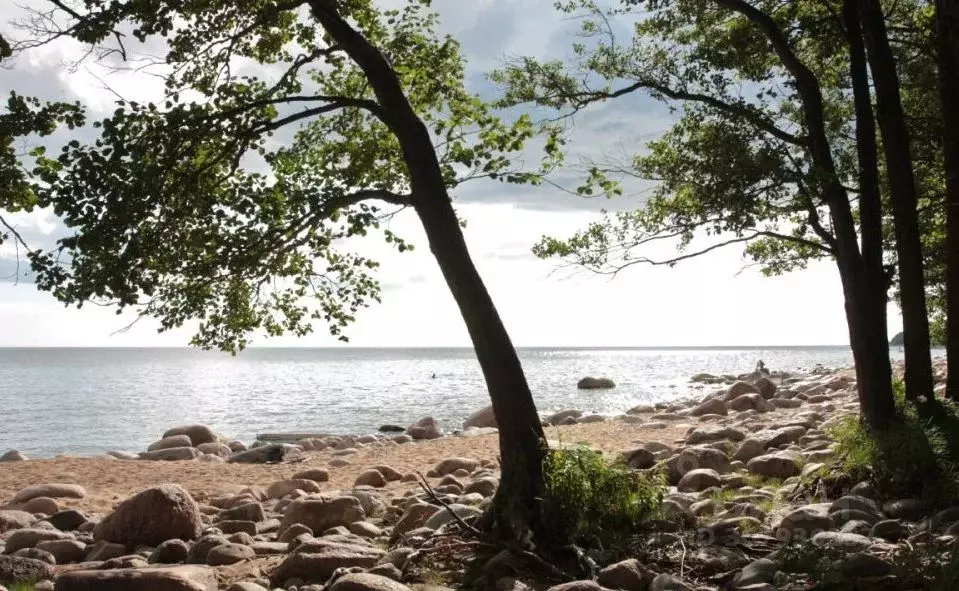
(228, 200)
(736, 167)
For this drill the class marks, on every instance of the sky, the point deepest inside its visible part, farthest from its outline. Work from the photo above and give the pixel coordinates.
(708, 301)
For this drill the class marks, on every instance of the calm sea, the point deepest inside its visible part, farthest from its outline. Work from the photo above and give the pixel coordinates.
(88, 401)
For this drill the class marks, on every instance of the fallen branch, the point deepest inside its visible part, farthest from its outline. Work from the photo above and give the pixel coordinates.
(433, 496)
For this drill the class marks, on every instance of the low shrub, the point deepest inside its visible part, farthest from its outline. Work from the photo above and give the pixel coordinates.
(927, 568)
(587, 494)
(911, 458)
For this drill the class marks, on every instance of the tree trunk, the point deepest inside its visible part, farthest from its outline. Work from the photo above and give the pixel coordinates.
(947, 17)
(861, 295)
(867, 288)
(902, 185)
(521, 437)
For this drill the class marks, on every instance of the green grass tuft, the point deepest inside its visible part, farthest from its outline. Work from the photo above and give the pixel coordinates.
(588, 494)
(912, 458)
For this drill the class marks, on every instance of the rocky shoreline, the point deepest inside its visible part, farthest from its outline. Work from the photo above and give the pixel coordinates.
(343, 518)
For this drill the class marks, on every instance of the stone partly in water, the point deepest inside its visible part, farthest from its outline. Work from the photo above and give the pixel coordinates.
(591, 383)
(153, 516)
(13, 456)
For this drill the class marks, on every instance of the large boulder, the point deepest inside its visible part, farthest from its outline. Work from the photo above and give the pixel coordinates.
(54, 491)
(748, 402)
(197, 433)
(564, 416)
(450, 465)
(13, 456)
(483, 418)
(699, 480)
(805, 522)
(714, 433)
(16, 569)
(323, 513)
(591, 383)
(154, 578)
(152, 516)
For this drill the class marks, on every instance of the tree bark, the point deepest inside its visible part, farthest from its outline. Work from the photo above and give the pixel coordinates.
(521, 437)
(866, 311)
(902, 186)
(863, 314)
(947, 18)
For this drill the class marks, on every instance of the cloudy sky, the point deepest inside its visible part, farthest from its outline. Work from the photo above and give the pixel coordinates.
(708, 301)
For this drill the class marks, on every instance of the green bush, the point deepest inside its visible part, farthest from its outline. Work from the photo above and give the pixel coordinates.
(926, 568)
(913, 457)
(587, 494)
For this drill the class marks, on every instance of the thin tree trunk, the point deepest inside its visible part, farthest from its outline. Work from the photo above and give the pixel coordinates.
(862, 314)
(866, 312)
(902, 186)
(947, 17)
(521, 438)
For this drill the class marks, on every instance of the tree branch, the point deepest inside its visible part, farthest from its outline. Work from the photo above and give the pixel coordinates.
(742, 110)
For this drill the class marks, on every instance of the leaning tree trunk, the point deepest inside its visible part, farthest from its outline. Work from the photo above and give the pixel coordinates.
(947, 17)
(521, 438)
(902, 188)
(867, 287)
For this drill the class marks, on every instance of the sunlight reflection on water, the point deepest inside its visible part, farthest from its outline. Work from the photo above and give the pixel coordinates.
(87, 401)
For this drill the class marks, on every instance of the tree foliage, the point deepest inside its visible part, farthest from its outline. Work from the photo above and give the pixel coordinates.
(230, 199)
(736, 167)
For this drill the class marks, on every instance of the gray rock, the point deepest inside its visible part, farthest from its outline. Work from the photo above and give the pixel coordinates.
(667, 582)
(54, 491)
(166, 578)
(64, 551)
(321, 514)
(36, 554)
(844, 542)
(13, 456)
(366, 582)
(640, 459)
(14, 570)
(67, 520)
(483, 418)
(171, 454)
(10, 520)
(226, 554)
(153, 516)
(629, 574)
(198, 434)
(170, 442)
(714, 433)
(28, 538)
(425, 428)
(908, 509)
(776, 465)
(443, 517)
(271, 453)
(856, 526)
(316, 560)
(805, 522)
(861, 564)
(758, 571)
(170, 552)
(591, 383)
(699, 480)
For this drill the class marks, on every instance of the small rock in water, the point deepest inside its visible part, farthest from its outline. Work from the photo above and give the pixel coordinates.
(391, 429)
(591, 383)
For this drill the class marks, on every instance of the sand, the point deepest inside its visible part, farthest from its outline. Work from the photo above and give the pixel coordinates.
(109, 481)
